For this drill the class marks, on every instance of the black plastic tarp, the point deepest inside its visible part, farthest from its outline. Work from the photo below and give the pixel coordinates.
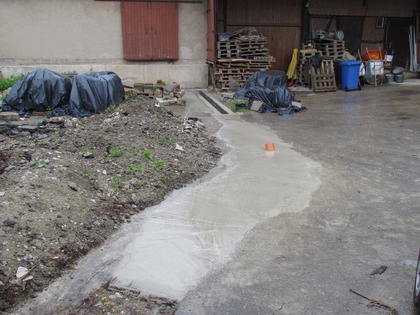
(270, 87)
(92, 93)
(40, 91)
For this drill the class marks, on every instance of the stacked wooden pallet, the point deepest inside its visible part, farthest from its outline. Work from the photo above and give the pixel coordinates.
(239, 70)
(323, 78)
(238, 59)
(252, 46)
(228, 49)
(334, 48)
(303, 77)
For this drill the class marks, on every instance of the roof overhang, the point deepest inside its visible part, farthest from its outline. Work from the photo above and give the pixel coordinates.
(176, 1)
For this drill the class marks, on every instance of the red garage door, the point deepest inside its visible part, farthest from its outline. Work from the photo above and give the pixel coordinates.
(150, 30)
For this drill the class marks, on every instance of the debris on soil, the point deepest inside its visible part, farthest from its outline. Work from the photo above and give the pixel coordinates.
(375, 303)
(106, 301)
(380, 270)
(67, 184)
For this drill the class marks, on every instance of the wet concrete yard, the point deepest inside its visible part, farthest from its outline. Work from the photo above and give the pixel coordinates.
(365, 214)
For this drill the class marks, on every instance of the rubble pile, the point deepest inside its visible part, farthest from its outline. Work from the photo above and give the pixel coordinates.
(163, 94)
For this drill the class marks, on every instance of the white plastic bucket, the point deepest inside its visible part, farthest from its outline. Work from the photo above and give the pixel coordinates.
(388, 58)
(376, 67)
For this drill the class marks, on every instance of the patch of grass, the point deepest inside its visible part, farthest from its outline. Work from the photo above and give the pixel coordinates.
(164, 179)
(116, 182)
(85, 174)
(127, 177)
(41, 164)
(238, 106)
(148, 155)
(115, 153)
(136, 168)
(9, 82)
(111, 108)
(157, 165)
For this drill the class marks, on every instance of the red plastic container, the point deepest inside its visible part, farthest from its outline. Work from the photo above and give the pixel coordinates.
(373, 54)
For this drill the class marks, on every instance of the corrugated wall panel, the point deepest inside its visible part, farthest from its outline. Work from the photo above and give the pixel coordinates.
(392, 8)
(264, 12)
(150, 30)
(278, 20)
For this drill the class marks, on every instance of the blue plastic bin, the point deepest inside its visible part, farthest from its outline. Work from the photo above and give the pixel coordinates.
(350, 75)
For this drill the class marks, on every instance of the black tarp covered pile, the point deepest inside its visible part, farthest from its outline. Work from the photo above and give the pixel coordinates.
(43, 90)
(92, 93)
(270, 87)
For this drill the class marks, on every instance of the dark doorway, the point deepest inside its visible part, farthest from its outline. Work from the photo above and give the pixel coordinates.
(396, 40)
(352, 27)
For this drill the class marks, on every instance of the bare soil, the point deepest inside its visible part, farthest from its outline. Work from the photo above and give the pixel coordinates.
(67, 184)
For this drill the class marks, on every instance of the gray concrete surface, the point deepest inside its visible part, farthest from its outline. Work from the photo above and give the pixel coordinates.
(343, 201)
(365, 214)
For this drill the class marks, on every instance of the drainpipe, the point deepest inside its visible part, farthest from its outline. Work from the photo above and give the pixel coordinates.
(304, 28)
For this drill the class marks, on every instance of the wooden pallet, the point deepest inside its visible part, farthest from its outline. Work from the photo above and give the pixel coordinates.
(228, 53)
(228, 45)
(323, 78)
(303, 77)
(334, 49)
(304, 55)
(238, 59)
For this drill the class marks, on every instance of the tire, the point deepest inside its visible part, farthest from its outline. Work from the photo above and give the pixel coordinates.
(416, 291)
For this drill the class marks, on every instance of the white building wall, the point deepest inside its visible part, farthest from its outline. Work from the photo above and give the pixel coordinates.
(86, 35)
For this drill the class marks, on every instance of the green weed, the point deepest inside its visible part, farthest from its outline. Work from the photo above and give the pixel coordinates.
(233, 105)
(111, 108)
(147, 155)
(40, 163)
(135, 168)
(156, 165)
(9, 82)
(115, 153)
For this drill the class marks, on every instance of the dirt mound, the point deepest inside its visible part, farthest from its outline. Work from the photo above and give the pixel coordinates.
(66, 184)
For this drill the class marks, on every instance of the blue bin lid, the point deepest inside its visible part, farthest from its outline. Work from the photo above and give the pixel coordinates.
(350, 63)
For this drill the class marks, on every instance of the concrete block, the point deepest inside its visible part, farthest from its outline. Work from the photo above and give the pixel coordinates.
(180, 93)
(256, 105)
(29, 128)
(167, 101)
(9, 116)
(297, 104)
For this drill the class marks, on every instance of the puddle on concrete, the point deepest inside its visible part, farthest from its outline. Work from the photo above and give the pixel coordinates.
(196, 229)
(168, 248)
